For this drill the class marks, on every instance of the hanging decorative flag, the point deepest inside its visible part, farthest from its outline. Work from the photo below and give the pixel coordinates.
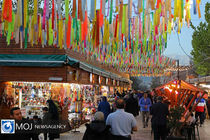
(111, 11)
(7, 10)
(131, 38)
(74, 8)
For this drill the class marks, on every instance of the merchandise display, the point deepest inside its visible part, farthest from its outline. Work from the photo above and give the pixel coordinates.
(81, 101)
(104, 90)
(89, 101)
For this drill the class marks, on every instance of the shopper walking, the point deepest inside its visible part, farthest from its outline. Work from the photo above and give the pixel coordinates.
(159, 112)
(104, 107)
(97, 129)
(46, 117)
(122, 123)
(53, 119)
(132, 105)
(200, 110)
(145, 104)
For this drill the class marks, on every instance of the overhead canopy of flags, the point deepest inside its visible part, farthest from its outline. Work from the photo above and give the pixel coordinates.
(130, 36)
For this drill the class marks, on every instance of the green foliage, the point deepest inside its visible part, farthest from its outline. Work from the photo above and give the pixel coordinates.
(155, 82)
(201, 44)
(174, 119)
(138, 84)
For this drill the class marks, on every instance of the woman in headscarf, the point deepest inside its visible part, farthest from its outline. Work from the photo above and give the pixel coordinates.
(52, 119)
(97, 129)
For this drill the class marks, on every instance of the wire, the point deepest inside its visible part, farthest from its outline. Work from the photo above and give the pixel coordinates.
(182, 47)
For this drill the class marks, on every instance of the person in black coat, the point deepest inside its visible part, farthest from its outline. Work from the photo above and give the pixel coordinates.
(104, 107)
(132, 105)
(159, 112)
(20, 134)
(97, 129)
(52, 119)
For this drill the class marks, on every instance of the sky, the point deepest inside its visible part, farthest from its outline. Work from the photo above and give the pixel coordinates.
(185, 36)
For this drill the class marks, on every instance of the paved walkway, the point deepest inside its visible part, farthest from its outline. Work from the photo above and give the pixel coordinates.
(141, 134)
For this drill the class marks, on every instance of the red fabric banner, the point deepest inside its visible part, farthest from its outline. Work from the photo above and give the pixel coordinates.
(7, 11)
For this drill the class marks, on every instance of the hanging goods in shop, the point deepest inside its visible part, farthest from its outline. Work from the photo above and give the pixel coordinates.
(130, 37)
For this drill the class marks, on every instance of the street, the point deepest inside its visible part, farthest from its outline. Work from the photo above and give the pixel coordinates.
(141, 134)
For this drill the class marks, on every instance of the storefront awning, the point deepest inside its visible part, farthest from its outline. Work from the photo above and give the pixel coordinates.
(96, 70)
(35, 60)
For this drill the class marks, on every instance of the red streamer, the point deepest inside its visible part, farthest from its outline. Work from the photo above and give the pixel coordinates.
(80, 16)
(74, 8)
(68, 37)
(97, 28)
(158, 3)
(115, 33)
(7, 11)
(53, 13)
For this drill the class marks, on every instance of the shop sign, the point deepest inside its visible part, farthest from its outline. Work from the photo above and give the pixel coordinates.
(114, 82)
(107, 81)
(91, 77)
(55, 78)
(118, 83)
(77, 75)
(99, 79)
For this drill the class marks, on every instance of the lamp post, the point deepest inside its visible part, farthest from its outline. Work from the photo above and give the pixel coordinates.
(178, 70)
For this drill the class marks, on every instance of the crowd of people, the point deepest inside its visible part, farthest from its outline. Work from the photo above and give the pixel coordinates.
(51, 116)
(119, 123)
(114, 122)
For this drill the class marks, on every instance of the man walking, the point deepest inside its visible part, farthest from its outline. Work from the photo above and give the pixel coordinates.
(159, 112)
(121, 122)
(200, 110)
(132, 105)
(104, 107)
(145, 104)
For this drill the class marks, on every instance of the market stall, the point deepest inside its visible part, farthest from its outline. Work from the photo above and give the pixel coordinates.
(179, 93)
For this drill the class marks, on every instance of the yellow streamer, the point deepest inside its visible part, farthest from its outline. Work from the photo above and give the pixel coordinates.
(25, 12)
(199, 11)
(35, 11)
(2, 10)
(60, 33)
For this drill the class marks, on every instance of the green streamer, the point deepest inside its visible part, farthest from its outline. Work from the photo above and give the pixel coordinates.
(166, 41)
(13, 22)
(9, 32)
(26, 37)
(66, 11)
(124, 19)
(111, 11)
(182, 5)
(10, 28)
(50, 32)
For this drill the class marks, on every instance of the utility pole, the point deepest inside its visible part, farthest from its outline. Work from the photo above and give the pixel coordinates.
(178, 70)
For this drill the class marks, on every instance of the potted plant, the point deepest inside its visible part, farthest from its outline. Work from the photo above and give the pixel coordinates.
(174, 124)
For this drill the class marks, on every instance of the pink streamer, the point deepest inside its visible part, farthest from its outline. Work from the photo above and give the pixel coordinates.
(44, 15)
(108, 8)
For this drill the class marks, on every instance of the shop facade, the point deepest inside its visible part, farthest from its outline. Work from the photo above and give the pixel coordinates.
(28, 80)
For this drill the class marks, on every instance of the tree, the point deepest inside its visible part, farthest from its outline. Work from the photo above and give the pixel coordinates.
(201, 44)
(138, 84)
(155, 82)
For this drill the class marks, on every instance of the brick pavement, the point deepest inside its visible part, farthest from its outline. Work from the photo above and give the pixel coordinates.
(141, 134)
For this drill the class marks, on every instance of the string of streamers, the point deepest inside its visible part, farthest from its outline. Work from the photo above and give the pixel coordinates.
(130, 37)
